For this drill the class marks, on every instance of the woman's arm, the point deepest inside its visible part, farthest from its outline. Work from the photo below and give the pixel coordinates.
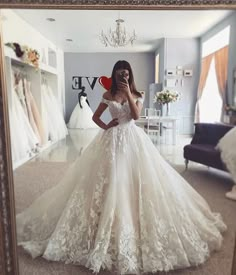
(135, 107)
(96, 118)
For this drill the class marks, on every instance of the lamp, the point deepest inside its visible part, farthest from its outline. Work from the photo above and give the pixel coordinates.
(118, 37)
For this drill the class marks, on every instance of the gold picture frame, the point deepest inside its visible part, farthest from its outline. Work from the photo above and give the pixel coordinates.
(8, 247)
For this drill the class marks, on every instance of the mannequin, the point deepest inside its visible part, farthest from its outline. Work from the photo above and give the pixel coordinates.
(81, 117)
(82, 93)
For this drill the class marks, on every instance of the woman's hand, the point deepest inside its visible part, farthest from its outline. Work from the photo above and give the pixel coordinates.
(124, 86)
(114, 122)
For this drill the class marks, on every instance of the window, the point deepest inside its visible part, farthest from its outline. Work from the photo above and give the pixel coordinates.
(210, 103)
(216, 42)
(157, 69)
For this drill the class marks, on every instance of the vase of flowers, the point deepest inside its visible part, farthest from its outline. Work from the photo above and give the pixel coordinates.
(167, 109)
(165, 97)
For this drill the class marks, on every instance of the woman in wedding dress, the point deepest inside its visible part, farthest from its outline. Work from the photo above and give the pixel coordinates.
(121, 206)
(82, 114)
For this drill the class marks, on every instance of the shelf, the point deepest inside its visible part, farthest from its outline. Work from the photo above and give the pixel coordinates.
(47, 69)
(43, 67)
(8, 52)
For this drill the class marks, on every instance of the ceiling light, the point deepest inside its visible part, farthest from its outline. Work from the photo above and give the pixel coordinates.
(118, 37)
(69, 40)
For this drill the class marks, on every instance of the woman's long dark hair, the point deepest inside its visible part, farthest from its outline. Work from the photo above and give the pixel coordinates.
(123, 65)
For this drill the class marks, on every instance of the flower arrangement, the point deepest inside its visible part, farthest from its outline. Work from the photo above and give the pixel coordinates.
(27, 54)
(166, 96)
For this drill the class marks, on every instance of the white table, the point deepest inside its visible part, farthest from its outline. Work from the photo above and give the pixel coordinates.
(163, 119)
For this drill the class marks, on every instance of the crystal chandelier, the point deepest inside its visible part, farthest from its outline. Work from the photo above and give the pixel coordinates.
(118, 37)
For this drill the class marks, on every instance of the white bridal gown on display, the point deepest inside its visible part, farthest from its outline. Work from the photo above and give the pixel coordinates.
(121, 207)
(23, 139)
(54, 124)
(82, 117)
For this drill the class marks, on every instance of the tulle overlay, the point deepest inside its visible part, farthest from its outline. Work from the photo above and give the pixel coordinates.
(121, 207)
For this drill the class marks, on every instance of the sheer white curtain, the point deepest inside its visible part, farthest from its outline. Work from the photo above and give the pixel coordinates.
(212, 84)
(210, 103)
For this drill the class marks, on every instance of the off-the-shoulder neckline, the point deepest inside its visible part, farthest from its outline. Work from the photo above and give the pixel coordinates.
(120, 102)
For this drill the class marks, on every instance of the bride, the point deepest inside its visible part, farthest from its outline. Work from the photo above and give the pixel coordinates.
(121, 206)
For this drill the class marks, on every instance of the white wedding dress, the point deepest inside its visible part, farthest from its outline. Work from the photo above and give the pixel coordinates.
(81, 118)
(54, 123)
(24, 142)
(121, 207)
(228, 156)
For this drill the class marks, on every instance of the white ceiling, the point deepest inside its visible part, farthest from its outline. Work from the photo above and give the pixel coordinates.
(84, 26)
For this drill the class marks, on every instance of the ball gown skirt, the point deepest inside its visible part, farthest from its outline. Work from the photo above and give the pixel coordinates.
(121, 207)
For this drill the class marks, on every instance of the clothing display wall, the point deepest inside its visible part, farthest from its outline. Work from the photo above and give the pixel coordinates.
(36, 119)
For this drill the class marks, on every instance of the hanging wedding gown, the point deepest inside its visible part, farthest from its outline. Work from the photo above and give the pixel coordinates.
(55, 127)
(121, 207)
(23, 139)
(33, 113)
(20, 147)
(82, 117)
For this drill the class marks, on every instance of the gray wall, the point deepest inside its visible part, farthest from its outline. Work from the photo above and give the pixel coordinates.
(99, 64)
(231, 20)
(186, 53)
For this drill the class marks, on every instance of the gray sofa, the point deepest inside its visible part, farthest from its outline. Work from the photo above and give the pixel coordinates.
(202, 148)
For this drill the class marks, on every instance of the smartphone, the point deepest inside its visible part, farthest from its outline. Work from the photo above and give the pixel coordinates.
(122, 77)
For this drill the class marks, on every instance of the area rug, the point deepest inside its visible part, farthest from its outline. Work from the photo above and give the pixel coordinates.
(34, 178)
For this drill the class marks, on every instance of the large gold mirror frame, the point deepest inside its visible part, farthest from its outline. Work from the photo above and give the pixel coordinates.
(8, 247)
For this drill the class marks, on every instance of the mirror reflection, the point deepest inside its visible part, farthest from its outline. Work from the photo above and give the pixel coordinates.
(92, 189)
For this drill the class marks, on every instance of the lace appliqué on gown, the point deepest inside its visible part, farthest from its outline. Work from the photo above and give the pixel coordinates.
(121, 207)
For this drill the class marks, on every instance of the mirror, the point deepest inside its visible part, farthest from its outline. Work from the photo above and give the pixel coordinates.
(71, 58)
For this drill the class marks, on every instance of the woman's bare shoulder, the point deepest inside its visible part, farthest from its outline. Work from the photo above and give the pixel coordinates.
(107, 95)
(137, 95)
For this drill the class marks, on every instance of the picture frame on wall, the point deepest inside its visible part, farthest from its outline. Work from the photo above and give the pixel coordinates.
(179, 72)
(170, 72)
(171, 83)
(188, 72)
